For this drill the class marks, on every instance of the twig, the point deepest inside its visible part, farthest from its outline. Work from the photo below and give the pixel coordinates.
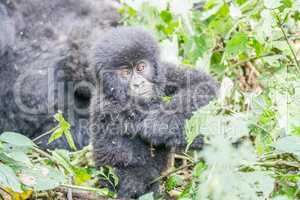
(293, 37)
(43, 153)
(279, 163)
(183, 157)
(81, 194)
(173, 171)
(279, 23)
(6, 193)
(89, 189)
(253, 58)
(44, 134)
(245, 61)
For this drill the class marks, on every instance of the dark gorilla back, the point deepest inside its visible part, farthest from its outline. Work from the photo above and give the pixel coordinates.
(44, 60)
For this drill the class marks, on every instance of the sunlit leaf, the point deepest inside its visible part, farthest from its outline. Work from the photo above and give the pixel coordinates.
(55, 135)
(9, 179)
(148, 196)
(289, 144)
(16, 139)
(42, 178)
(237, 44)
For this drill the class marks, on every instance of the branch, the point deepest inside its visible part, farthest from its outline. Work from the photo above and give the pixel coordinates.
(45, 134)
(253, 59)
(279, 163)
(82, 194)
(279, 23)
(173, 171)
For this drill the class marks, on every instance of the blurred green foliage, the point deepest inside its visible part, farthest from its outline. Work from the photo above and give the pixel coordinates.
(252, 130)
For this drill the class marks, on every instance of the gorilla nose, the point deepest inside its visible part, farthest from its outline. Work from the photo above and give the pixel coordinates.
(136, 85)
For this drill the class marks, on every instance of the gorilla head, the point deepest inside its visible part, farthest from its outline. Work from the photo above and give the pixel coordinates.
(127, 62)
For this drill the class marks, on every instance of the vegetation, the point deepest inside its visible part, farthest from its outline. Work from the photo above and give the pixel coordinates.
(252, 131)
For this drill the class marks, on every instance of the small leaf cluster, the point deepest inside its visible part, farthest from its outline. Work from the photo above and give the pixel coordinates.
(27, 170)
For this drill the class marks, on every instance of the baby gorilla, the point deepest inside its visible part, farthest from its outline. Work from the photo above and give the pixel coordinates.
(133, 129)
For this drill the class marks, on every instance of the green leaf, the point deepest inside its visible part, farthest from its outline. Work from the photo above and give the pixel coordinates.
(42, 178)
(55, 135)
(221, 25)
(70, 140)
(198, 169)
(81, 175)
(167, 99)
(289, 144)
(173, 182)
(9, 179)
(272, 4)
(148, 196)
(61, 156)
(62, 122)
(259, 48)
(237, 44)
(16, 139)
(20, 156)
(64, 128)
(5, 158)
(112, 173)
(211, 12)
(166, 16)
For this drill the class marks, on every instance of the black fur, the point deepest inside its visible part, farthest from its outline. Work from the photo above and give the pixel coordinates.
(44, 49)
(123, 128)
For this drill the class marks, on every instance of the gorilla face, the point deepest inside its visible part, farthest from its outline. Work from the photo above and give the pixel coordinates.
(138, 77)
(127, 64)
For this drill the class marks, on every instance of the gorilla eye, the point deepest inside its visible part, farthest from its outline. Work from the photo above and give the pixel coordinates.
(125, 72)
(140, 67)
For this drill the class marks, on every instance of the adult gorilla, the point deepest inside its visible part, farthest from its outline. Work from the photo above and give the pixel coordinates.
(44, 48)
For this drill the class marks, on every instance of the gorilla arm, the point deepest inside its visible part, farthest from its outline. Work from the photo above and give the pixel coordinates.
(110, 128)
(190, 89)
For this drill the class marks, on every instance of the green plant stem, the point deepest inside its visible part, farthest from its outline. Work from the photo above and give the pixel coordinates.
(279, 163)
(48, 156)
(45, 134)
(245, 61)
(174, 171)
(82, 192)
(84, 188)
(43, 153)
(253, 59)
(6, 192)
(288, 43)
(85, 150)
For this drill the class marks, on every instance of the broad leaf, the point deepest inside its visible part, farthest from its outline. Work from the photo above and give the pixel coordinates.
(148, 196)
(9, 179)
(237, 44)
(16, 139)
(289, 144)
